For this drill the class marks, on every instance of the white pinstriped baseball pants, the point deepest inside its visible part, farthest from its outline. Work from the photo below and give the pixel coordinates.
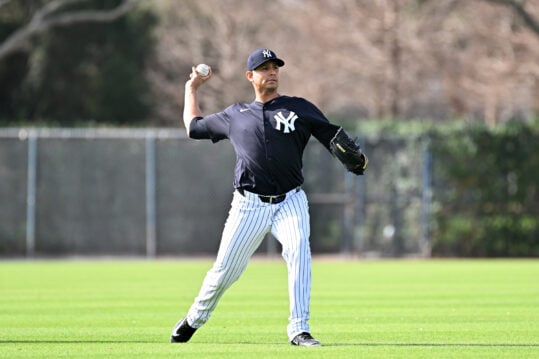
(249, 220)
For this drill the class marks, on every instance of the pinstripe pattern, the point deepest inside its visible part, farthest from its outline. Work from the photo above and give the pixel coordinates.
(291, 228)
(249, 220)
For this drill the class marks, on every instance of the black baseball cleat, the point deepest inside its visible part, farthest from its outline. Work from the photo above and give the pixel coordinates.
(305, 340)
(182, 332)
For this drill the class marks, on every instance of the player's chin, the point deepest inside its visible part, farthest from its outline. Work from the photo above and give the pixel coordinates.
(272, 84)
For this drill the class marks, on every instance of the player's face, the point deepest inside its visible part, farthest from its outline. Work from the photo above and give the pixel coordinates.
(266, 76)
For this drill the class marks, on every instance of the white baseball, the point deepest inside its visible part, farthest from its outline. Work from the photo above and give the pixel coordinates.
(203, 69)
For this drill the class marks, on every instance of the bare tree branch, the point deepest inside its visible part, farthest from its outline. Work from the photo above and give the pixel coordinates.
(518, 7)
(53, 6)
(45, 19)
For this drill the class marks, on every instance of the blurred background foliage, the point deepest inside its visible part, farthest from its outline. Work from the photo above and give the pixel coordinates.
(87, 73)
(487, 202)
(462, 74)
(80, 62)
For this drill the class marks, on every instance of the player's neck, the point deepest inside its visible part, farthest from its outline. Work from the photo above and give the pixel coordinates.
(266, 96)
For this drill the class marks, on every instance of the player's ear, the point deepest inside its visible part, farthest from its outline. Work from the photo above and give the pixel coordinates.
(249, 75)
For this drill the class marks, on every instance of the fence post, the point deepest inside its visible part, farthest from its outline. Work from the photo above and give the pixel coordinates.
(426, 198)
(361, 195)
(150, 195)
(349, 209)
(31, 181)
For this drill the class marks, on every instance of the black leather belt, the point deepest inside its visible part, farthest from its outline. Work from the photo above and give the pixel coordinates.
(269, 199)
(272, 199)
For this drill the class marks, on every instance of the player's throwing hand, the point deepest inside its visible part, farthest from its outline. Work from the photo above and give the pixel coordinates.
(196, 79)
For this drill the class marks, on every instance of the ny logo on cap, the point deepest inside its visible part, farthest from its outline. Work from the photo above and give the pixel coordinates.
(266, 53)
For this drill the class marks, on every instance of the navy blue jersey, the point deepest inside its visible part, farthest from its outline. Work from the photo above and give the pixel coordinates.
(269, 140)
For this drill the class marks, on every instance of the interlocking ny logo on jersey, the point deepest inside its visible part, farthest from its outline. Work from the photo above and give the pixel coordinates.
(286, 122)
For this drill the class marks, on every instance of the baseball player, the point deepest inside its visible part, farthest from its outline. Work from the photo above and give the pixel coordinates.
(268, 136)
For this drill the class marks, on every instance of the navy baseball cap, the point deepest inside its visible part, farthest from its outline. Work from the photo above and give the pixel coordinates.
(258, 57)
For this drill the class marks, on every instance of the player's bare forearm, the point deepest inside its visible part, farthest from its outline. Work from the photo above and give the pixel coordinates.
(191, 108)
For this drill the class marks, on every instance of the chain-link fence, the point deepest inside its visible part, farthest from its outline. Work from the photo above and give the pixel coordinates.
(153, 192)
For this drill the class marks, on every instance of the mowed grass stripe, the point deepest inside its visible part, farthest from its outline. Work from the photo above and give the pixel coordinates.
(382, 309)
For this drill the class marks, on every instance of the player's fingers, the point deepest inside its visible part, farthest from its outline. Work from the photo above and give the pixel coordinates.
(204, 78)
(197, 78)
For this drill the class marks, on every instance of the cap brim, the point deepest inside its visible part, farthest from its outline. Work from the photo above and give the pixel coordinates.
(278, 61)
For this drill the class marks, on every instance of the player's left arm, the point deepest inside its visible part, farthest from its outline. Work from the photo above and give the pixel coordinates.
(339, 143)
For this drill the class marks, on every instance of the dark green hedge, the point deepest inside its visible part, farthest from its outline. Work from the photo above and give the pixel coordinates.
(485, 191)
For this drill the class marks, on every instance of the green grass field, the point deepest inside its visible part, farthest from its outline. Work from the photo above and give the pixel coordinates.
(360, 309)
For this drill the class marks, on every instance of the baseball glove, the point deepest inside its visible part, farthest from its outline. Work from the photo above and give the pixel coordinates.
(348, 152)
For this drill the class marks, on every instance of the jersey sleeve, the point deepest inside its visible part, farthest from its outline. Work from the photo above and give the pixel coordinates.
(214, 127)
(321, 128)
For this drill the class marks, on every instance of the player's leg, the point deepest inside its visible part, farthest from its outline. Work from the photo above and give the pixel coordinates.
(245, 228)
(292, 228)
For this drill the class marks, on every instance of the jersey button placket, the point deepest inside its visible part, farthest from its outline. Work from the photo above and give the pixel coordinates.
(267, 131)
(268, 128)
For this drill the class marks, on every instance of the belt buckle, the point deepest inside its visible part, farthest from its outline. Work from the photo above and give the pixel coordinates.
(275, 199)
(270, 199)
